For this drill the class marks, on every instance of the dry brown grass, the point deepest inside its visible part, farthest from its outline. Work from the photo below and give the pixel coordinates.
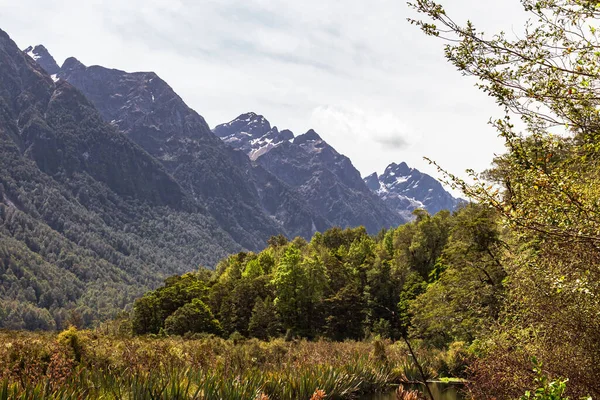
(314, 370)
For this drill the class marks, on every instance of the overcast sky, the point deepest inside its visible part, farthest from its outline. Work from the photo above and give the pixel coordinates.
(356, 71)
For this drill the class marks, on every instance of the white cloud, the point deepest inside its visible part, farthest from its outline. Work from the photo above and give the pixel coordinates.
(388, 86)
(353, 126)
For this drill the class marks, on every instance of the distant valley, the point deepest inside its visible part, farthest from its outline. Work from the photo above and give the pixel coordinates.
(110, 182)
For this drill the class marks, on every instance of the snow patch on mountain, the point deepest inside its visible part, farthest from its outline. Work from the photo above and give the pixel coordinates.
(32, 54)
(406, 189)
(323, 178)
(252, 134)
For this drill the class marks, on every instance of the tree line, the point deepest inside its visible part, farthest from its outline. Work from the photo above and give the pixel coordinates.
(438, 276)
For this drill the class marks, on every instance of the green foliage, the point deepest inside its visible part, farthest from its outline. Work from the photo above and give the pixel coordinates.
(192, 317)
(546, 389)
(253, 269)
(344, 284)
(545, 189)
(73, 340)
(152, 310)
(414, 285)
(291, 285)
(264, 323)
(298, 287)
(455, 361)
(466, 293)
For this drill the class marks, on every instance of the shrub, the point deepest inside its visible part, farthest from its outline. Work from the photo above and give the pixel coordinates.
(455, 361)
(74, 340)
(547, 389)
(192, 317)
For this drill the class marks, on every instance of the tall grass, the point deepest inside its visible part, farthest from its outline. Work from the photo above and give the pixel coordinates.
(95, 366)
(337, 383)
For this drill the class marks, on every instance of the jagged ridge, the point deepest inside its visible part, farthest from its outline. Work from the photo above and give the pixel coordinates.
(325, 179)
(405, 189)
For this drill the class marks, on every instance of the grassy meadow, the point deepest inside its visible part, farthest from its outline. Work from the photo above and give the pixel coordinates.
(87, 364)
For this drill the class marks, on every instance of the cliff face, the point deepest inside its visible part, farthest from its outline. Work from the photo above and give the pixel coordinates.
(324, 179)
(147, 110)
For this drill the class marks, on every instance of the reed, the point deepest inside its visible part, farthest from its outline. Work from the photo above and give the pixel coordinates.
(86, 364)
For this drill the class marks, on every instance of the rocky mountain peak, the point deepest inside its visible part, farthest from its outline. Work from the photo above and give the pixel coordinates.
(252, 133)
(146, 110)
(253, 124)
(141, 105)
(394, 169)
(323, 178)
(310, 136)
(372, 182)
(405, 189)
(42, 56)
(72, 64)
(286, 134)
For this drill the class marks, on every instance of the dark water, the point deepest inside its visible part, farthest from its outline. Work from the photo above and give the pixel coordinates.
(440, 390)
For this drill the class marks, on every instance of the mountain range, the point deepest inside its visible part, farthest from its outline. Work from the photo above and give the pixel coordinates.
(406, 189)
(324, 179)
(109, 182)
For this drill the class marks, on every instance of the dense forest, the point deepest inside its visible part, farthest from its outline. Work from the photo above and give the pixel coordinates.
(442, 272)
(88, 220)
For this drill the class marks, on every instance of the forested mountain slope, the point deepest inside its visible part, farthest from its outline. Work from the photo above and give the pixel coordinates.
(109, 182)
(88, 220)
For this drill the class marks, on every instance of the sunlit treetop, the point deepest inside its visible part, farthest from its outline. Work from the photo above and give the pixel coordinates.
(547, 76)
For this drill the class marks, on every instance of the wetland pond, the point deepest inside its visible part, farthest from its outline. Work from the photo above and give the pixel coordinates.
(440, 390)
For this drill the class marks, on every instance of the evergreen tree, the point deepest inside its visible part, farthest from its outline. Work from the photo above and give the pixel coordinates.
(264, 323)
